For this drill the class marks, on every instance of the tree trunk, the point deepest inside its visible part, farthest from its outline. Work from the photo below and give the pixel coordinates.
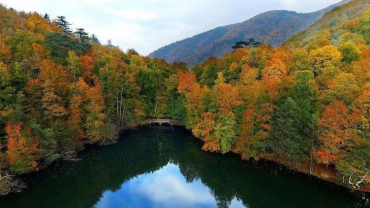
(155, 108)
(311, 162)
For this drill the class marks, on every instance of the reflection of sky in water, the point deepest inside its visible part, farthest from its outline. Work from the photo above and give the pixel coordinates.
(166, 187)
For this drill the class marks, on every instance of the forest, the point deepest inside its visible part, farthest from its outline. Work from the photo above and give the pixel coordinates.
(306, 103)
(272, 27)
(61, 90)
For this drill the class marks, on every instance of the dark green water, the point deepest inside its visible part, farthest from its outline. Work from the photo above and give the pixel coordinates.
(165, 167)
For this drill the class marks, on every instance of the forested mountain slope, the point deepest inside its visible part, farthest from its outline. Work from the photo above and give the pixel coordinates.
(305, 104)
(273, 27)
(61, 90)
(343, 24)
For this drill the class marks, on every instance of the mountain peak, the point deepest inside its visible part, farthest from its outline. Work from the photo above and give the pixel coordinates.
(272, 27)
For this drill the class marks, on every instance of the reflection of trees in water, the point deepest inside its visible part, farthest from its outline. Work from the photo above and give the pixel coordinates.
(147, 150)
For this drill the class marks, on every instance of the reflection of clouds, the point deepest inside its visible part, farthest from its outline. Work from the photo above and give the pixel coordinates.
(166, 187)
(169, 186)
(236, 203)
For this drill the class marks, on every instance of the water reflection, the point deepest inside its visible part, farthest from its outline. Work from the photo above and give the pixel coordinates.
(166, 187)
(155, 167)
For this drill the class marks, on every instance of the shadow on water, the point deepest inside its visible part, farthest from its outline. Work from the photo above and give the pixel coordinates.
(142, 154)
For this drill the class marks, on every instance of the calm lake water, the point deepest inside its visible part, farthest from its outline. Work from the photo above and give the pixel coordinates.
(165, 167)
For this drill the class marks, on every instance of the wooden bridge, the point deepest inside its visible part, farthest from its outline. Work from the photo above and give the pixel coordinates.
(170, 122)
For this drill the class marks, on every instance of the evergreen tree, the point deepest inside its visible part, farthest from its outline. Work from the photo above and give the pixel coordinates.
(94, 39)
(60, 44)
(64, 25)
(46, 16)
(295, 121)
(81, 34)
(250, 43)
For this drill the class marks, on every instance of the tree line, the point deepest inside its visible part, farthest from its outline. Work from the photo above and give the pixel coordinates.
(297, 105)
(61, 90)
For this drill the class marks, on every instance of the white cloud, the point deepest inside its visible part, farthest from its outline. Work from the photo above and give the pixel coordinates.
(290, 2)
(149, 24)
(138, 15)
(164, 187)
(101, 1)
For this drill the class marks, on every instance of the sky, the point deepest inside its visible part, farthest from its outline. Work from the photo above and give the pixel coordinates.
(147, 25)
(163, 188)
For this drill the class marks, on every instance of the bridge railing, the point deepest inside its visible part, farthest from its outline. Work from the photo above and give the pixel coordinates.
(171, 122)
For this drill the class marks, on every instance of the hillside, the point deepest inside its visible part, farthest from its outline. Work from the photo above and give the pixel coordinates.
(348, 23)
(305, 105)
(273, 27)
(60, 91)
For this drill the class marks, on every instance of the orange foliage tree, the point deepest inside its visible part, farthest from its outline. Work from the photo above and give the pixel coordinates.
(195, 97)
(275, 68)
(87, 66)
(204, 130)
(228, 97)
(95, 116)
(22, 150)
(52, 103)
(362, 104)
(337, 137)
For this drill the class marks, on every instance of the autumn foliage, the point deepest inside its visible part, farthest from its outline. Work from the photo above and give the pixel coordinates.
(306, 102)
(60, 91)
(22, 150)
(299, 105)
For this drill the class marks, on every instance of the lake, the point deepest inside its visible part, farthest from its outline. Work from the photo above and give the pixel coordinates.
(165, 167)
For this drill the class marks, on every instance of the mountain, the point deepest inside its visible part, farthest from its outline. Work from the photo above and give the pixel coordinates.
(272, 27)
(307, 101)
(348, 23)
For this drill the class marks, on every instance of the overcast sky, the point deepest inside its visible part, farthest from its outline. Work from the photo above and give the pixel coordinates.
(147, 25)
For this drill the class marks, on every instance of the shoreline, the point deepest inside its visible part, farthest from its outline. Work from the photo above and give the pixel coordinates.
(320, 171)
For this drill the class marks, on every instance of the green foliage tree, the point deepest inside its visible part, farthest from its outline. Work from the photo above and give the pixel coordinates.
(149, 83)
(295, 121)
(354, 167)
(74, 65)
(225, 131)
(350, 52)
(286, 129)
(60, 44)
(250, 43)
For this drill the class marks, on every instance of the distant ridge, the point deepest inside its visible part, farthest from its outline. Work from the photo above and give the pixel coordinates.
(272, 27)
